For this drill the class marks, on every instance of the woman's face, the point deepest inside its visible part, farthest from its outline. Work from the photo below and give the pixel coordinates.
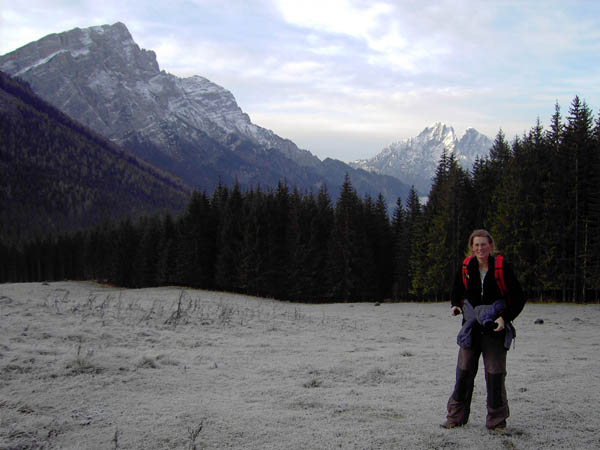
(481, 247)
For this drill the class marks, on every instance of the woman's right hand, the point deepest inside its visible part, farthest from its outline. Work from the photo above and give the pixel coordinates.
(455, 310)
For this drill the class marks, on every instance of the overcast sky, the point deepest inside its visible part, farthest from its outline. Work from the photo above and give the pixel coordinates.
(344, 78)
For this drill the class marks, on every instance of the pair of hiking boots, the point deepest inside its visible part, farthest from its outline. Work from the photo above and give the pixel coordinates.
(449, 425)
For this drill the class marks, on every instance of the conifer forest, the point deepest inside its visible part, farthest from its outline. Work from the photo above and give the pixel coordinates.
(538, 195)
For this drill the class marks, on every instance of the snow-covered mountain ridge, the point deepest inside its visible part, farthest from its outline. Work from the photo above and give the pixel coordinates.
(415, 160)
(190, 126)
(105, 80)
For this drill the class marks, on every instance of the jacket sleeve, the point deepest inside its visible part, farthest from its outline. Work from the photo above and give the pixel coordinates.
(458, 290)
(516, 297)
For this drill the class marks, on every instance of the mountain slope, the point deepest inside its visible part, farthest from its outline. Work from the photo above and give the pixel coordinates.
(57, 175)
(415, 160)
(188, 126)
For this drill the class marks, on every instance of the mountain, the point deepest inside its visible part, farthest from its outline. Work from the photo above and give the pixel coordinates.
(415, 160)
(188, 126)
(56, 175)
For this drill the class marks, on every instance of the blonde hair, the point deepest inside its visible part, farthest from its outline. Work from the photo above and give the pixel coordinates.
(481, 233)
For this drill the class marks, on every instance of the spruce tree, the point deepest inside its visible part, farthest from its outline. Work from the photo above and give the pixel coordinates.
(196, 243)
(578, 143)
(254, 245)
(320, 247)
(167, 250)
(401, 252)
(382, 243)
(126, 247)
(298, 277)
(278, 247)
(147, 257)
(230, 241)
(346, 246)
(556, 223)
(418, 233)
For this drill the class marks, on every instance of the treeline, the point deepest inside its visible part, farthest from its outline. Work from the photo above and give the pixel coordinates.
(277, 243)
(539, 196)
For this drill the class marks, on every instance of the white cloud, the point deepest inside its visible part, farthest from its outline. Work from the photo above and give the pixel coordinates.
(333, 16)
(373, 24)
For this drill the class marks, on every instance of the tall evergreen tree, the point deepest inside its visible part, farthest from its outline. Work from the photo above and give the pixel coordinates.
(347, 246)
(253, 257)
(230, 242)
(147, 256)
(556, 221)
(578, 143)
(298, 277)
(448, 219)
(320, 247)
(126, 247)
(382, 244)
(278, 248)
(167, 250)
(418, 235)
(197, 243)
(401, 252)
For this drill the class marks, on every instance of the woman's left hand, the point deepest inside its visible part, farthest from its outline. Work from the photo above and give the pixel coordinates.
(500, 322)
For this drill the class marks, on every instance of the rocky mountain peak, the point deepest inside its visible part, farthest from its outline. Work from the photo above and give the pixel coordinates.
(102, 77)
(106, 44)
(415, 160)
(438, 131)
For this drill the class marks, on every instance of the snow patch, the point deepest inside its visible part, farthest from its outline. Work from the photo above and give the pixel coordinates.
(86, 40)
(80, 52)
(40, 62)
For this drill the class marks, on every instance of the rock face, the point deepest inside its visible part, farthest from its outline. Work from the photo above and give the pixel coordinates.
(415, 160)
(188, 126)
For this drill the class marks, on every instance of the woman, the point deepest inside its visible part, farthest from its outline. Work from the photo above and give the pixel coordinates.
(475, 289)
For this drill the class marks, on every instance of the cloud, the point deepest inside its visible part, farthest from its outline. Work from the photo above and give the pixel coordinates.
(333, 16)
(374, 25)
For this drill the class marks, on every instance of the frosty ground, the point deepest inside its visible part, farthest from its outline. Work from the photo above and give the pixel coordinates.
(85, 366)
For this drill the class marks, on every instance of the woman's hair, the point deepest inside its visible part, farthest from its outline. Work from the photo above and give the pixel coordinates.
(481, 233)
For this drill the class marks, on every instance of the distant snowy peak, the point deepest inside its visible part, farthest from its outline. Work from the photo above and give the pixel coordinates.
(414, 160)
(471, 145)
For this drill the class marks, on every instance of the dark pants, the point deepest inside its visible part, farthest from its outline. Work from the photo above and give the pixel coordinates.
(491, 345)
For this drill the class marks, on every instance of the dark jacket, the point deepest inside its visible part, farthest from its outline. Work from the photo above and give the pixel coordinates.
(515, 299)
(482, 317)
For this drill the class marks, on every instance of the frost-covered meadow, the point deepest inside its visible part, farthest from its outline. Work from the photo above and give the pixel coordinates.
(85, 366)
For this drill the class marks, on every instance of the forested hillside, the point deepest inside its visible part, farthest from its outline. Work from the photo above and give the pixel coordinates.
(56, 175)
(539, 196)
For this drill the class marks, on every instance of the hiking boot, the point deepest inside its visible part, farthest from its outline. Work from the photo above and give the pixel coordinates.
(448, 425)
(501, 427)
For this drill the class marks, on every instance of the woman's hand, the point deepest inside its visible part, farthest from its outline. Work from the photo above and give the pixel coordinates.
(455, 310)
(500, 322)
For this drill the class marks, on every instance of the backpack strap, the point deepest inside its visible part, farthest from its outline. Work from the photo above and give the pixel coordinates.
(465, 271)
(499, 275)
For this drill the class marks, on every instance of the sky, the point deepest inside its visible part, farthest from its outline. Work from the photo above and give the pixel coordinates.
(345, 78)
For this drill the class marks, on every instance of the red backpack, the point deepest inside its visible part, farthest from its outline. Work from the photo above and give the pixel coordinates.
(498, 274)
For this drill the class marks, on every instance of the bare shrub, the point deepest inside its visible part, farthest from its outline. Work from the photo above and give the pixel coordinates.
(314, 383)
(115, 439)
(193, 433)
(180, 314)
(225, 314)
(83, 362)
(146, 362)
